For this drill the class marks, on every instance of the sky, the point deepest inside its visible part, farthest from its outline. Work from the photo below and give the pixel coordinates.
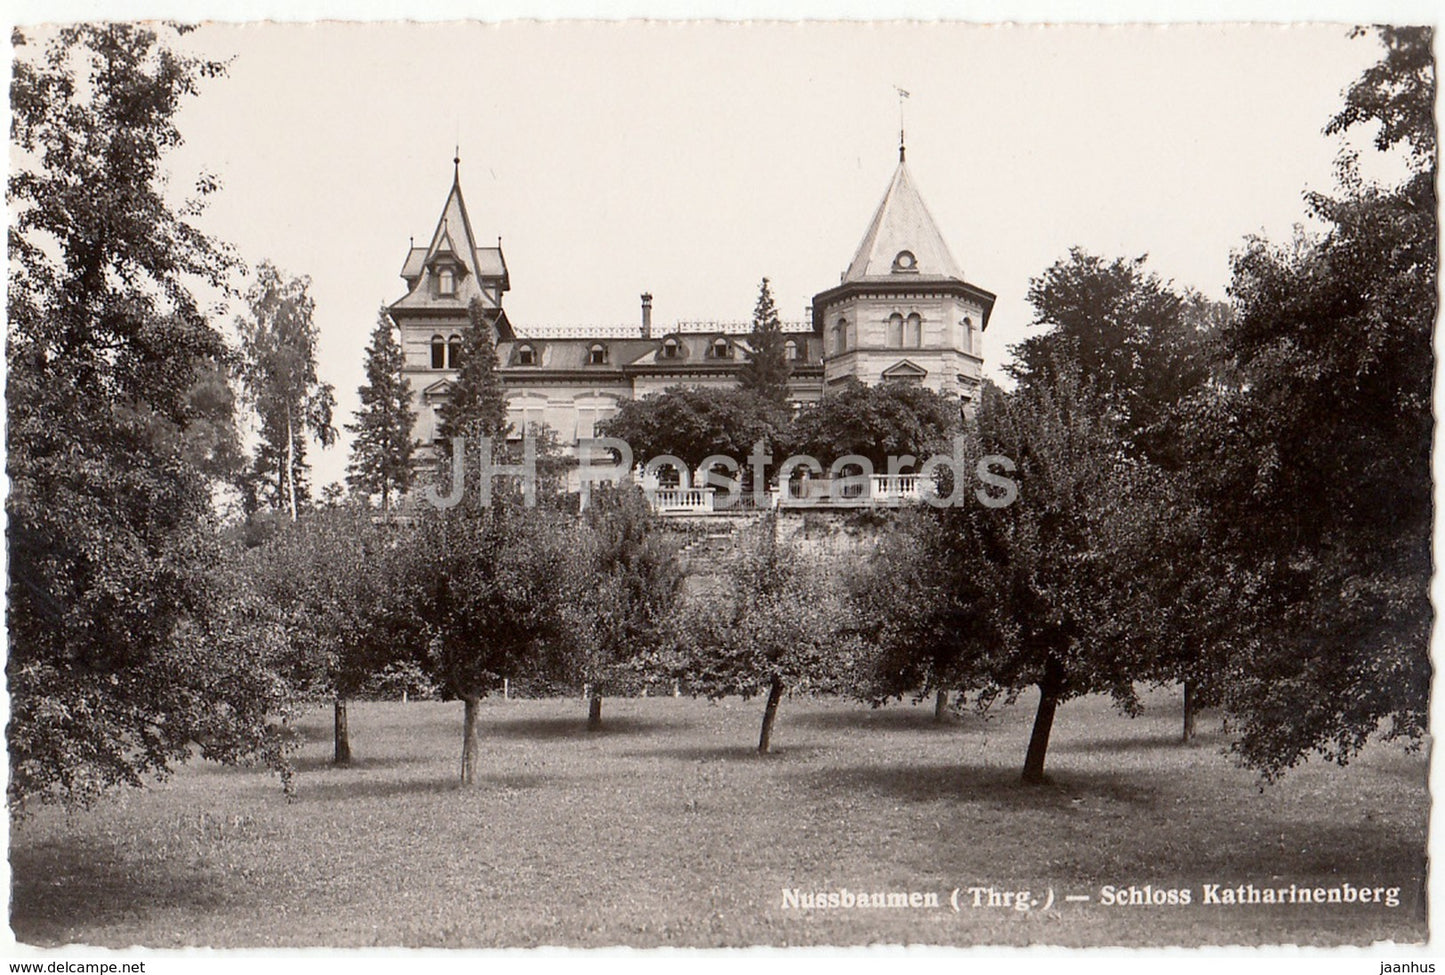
(690, 159)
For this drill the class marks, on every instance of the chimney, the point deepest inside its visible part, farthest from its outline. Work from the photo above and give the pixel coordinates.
(646, 315)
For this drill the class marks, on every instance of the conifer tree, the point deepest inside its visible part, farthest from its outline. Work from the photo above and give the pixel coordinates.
(477, 406)
(767, 370)
(382, 451)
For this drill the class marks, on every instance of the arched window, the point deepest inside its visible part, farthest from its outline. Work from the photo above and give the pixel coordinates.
(967, 324)
(671, 349)
(597, 354)
(438, 352)
(446, 281)
(913, 331)
(526, 355)
(840, 336)
(720, 349)
(790, 350)
(895, 330)
(454, 352)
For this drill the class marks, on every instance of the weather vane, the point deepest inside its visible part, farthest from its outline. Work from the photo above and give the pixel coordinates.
(901, 144)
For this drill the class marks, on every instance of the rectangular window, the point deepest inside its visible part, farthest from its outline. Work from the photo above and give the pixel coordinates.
(446, 282)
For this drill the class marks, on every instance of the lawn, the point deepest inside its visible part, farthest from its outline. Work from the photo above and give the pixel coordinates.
(665, 829)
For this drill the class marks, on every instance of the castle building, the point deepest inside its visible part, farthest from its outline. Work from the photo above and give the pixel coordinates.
(902, 313)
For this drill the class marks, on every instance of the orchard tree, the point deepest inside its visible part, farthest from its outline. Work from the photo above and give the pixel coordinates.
(278, 369)
(1069, 610)
(489, 591)
(127, 652)
(780, 627)
(922, 606)
(1144, 350)
(635, 583)
(381, 453)
(326, 576)
(767, 369)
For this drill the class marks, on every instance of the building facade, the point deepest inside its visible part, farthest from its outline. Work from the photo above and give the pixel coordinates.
(901, 313)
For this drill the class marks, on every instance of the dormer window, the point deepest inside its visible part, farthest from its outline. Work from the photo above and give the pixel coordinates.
(905, 263)
(446, 282)
(671, 349)
(597, 354)
(720, 349)
(526, 355)
(438, 352)
(454, 352)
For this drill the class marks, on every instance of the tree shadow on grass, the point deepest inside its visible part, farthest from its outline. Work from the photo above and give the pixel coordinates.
(57, 893)
(576, 727)
(974, 783)
(918, 719)
(342, 790)
(1134, 743)
(360, 763)
(727, 753)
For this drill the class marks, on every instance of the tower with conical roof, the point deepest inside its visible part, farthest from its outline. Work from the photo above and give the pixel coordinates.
(442, 278)
(903, 311)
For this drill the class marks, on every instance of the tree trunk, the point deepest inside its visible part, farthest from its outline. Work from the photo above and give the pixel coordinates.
(775, 694)
(469, 740)
(290, 467)
(342, 752)
(1049, 689)
(594, 712)
(1191, 711)
(940, 706)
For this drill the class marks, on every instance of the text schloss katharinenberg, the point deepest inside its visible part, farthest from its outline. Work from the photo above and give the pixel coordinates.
(1109, 895)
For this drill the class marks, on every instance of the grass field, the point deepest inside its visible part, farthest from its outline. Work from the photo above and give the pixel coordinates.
(665, 829)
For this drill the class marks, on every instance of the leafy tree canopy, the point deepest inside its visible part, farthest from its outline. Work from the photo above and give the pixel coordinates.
(127, 650)
(693, 424)
(876, 422)
(1319, 448)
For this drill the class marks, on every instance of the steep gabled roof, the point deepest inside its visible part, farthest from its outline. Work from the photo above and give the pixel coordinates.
(902, 223)
(483, 269)
(454, 220)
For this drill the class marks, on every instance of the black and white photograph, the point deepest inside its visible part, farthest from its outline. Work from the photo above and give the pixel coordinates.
(888, 480)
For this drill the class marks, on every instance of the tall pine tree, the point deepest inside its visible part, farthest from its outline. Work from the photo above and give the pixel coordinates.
(477, 406)
(382, 451)
(767, 370)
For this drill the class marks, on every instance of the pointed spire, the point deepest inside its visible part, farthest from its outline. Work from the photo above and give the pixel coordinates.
(902, 237)
(454, 228)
